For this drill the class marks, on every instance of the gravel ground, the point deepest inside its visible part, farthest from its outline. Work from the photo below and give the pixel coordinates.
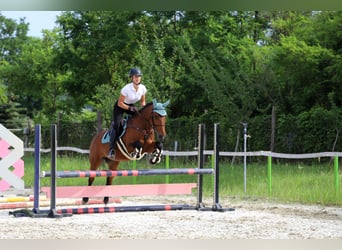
(251, 219)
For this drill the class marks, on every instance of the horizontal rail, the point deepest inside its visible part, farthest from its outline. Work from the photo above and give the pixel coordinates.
(92, 210)
(211, 152)
(121, 190)
(282, 155)
(63, 202)
(48, 150)
(109, 173)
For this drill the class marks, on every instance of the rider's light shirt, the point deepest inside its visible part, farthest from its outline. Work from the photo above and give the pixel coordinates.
(131, 95)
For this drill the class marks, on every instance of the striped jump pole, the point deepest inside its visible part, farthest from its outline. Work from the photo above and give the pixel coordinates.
(109, 173)
(142, 208)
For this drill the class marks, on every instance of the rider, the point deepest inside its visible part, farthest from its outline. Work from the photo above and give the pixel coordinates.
(130, 94)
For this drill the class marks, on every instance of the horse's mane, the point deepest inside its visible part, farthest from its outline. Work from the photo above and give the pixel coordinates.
(146, 106)
(143, 108)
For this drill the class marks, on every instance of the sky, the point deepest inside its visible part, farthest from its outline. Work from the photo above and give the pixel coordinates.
(37, 20)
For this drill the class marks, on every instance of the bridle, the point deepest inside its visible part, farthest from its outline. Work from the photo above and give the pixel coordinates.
(154, 126)
(151, 122)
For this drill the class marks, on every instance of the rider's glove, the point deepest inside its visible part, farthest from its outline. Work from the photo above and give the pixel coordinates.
(133, 109)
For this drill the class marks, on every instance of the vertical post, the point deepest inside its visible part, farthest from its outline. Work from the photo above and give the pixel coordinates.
(245, 156)
(269, 174)
(36, 188)
(216, 205)
(212, 160)
(200, 165)
(167, 166)
(53, 212)
(134, 167)
(336, 173)
(175, 148)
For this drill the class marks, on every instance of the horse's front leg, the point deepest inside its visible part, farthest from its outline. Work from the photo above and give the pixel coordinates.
(137, 150)
(109, 182)
(157, 153)
(112, 165)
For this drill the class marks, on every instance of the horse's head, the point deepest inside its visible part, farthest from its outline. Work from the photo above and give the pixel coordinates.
(154, 113)
(159, 118)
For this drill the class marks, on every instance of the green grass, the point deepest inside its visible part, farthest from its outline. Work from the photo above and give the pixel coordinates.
(307, 184)
(290, 183)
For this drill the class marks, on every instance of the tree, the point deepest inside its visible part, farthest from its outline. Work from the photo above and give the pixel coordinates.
(220, 66)
(12, 38)
(98, 50)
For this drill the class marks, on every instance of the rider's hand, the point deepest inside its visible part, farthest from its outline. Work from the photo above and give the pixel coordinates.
(133, 109)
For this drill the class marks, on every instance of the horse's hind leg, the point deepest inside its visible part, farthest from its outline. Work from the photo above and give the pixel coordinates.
(94, 165)
(112, 165)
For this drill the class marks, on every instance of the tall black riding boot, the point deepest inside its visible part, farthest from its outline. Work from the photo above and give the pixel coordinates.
(112, 143)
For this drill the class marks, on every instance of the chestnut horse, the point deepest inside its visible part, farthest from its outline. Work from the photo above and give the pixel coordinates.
(137, 140)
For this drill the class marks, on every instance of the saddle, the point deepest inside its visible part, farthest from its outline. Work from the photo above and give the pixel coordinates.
(122, 129)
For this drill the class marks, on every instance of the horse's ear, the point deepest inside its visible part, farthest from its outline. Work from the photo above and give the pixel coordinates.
(166, 103)
(154, 102)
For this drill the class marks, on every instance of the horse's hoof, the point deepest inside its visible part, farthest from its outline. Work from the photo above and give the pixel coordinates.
(155, 160)
(85, 200)
(105, 200)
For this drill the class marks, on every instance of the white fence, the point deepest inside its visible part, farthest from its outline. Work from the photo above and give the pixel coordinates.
(268, 154)
(210, 152)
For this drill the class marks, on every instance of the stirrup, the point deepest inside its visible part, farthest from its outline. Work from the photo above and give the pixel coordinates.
(111, 153)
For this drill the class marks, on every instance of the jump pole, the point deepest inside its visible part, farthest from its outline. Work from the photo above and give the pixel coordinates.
(142, 208)
(36, 189)
(116, 173)
(53, 213)
(216, 203)
(200, 158)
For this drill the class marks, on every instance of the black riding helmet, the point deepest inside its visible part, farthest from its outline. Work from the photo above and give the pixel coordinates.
(135, 72)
